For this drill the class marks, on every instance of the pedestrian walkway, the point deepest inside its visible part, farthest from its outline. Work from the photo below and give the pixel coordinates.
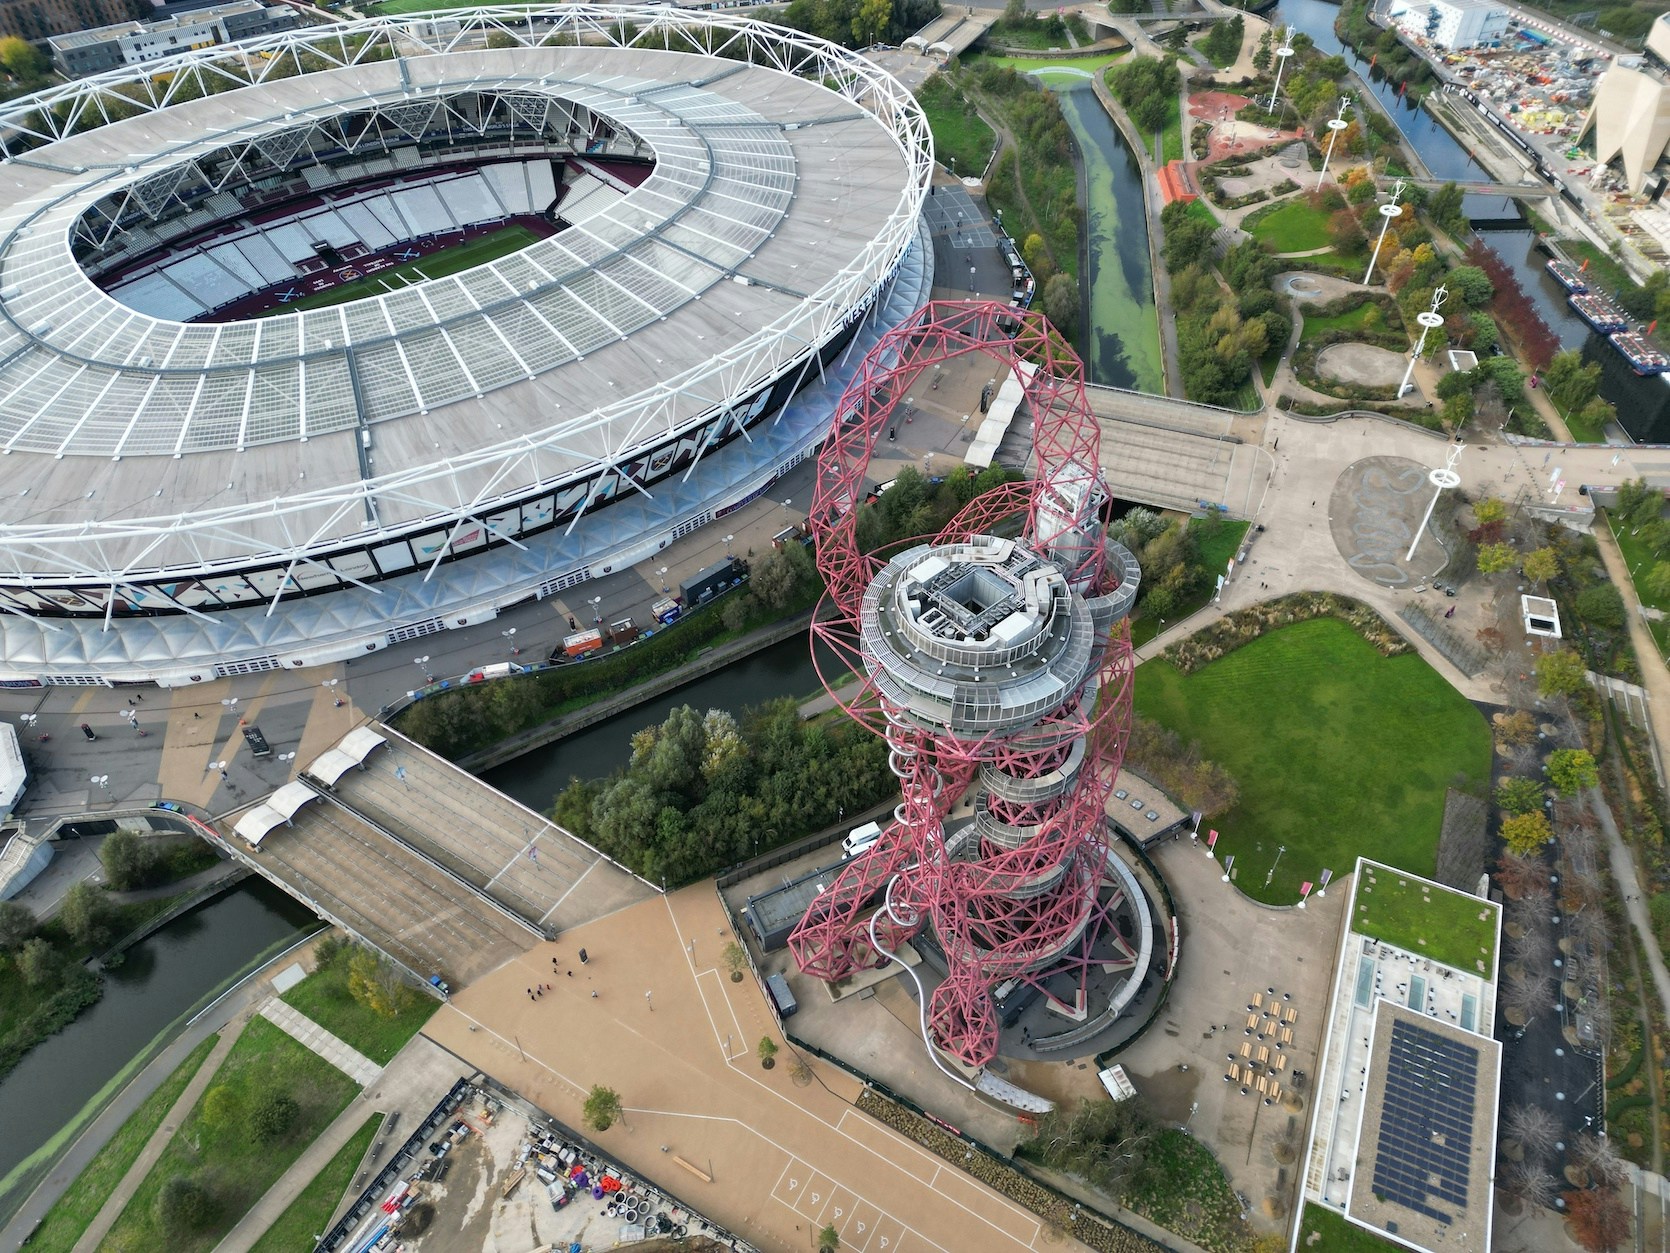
(123, 1193)
(350, 1061)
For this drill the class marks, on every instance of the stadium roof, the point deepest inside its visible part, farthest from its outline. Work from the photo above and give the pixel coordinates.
(776, 207)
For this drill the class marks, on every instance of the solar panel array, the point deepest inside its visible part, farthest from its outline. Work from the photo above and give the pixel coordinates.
(1423, 1158)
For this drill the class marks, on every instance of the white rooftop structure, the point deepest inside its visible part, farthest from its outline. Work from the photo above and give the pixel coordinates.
(1630, 117)
(1403, 1132)
(274, 812)
(350, 753)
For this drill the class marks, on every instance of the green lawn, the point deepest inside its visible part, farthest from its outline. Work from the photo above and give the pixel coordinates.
(1183, 1188)
(311, 1211)
(1583, 430)
(478, 251)
(324, 997)
(80, 1204)
(236, 1167)
(1640, 559)
(1326, 1230)
(1317, 325)
(1171, 138)
(1201, 212)
(1337, 750)
(1090, 64)
(959, 132)
(1292, 226)
(1445, 925)
(1214, 547)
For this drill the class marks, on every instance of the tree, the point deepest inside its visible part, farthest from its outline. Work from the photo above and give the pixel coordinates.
(222, 1108)
(1526, 833)
(1516, 729)
(1527, 996)
(129, 862)
(1471, 284)
(1495, 558)
(1569, 382)
(275, 1113)
(1062, 302)
(872, 21)
(1598, 1217)
(17, 924)
(829, 1240)
(85, 914)
(602, 1108)
(1601, 606)
(1571, 770)
(1658, 581)
(1517, 795)
(38, 963)
(1533, 1128)
(1522, 876)
(736, 960)
(1560, 673)
(778, 577)
(184, 1204)
(1530, 1183)
(1541, 564)
(1491, 508)
(1638, 504)
(22, 60)
(378, 984)
(768, 1052)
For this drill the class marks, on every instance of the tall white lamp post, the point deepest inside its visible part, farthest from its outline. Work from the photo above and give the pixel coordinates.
(1334, 128)
(1282, 53)
(1442, 478)
(1388, 211)
(1430, 320)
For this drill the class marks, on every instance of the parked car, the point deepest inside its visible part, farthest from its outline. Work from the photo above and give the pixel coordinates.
(88, 731)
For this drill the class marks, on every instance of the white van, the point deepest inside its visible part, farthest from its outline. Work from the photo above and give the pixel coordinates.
(860, 840)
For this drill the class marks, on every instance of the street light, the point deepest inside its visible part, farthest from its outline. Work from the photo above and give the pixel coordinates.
(664, 588)
(287, 757)
(28, 720)
(728, 540)
(596, 611)
(220, 766)
(231, 702)
(103, 780)
(330, 685)
(510, 637)
(422, 663)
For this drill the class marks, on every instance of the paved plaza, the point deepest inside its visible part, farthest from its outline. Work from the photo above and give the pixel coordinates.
(653, 1015)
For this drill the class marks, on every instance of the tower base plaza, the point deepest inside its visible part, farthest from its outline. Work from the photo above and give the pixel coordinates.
(785, 1160)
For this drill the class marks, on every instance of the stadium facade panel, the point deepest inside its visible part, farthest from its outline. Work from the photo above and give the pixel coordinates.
(731, 207)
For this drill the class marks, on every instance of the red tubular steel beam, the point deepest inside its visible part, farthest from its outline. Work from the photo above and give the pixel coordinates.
(984, 910)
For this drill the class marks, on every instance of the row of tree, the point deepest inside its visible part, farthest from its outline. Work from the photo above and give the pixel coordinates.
(705, 790)
(1148, 88)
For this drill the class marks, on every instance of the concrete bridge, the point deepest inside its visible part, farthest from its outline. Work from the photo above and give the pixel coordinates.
(1176, 454)
(953, 33)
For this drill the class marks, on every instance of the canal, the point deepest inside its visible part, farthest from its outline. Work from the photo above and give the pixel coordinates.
(161, 979)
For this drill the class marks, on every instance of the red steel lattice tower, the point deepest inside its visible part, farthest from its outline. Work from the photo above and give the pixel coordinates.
(986, 659)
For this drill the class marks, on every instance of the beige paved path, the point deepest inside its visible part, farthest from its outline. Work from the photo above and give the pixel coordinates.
(785, 1160)
(123, 1193)
(299, 1027)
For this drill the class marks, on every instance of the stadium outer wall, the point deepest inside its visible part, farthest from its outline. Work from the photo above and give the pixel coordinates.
(72, 618)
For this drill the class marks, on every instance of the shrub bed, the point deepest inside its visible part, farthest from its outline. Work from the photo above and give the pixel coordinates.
(1245, 625)
(1095, 1232)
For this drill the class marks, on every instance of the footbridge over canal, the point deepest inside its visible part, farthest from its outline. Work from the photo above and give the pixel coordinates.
(1176, 454)
(440, 872)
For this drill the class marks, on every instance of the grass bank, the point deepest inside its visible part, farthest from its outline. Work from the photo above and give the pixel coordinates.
(215, 1146)
(324, 996)
(75, 1210)
(1292, 226)
(311, 1211)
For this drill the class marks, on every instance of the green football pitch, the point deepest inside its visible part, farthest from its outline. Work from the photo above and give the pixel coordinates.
(478, 251)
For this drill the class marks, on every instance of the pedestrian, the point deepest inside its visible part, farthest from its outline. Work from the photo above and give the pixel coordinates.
(572, 625)
(195, 714)
(130, 700)
(583, 958)
(594, 994)
(139, 696)
(569, 973)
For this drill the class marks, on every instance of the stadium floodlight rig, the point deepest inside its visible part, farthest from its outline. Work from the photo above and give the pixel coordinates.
(986, 657)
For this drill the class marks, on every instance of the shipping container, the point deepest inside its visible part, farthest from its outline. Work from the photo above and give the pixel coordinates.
(582, 642)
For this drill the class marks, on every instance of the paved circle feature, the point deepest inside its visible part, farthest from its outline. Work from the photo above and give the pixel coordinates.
(1362, 364)
(1374, 511)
